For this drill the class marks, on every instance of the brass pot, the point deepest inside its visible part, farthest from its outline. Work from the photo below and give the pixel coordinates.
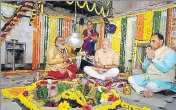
(127, 89)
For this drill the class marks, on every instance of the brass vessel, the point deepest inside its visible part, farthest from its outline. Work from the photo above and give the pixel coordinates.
(127, 89)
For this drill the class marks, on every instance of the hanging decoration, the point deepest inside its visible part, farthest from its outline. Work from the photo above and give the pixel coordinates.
(36, 43)
(64, 28)
(136, 57)
(169, 24)
(156, 21)
(101, 35)
(21, 12)
(139, 27)
(94, 7)
(130, 36)
(122, 44)
(147, 31)
(45, 38)
(7, 13)
(163, 22)
(60, 26)
(52, 31)
(116, 36)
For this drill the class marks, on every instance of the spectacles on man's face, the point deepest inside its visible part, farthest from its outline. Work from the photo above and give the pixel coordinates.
(89, 24)
(61, 40)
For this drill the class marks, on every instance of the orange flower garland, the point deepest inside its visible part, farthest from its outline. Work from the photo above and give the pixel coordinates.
(169, 23)
(36, 43)
(139, 27)
(101, 34)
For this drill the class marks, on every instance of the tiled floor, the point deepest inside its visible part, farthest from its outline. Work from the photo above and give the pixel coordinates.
(158, 102)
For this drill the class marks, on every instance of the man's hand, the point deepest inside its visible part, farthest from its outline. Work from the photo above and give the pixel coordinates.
(98, 64)
(150, 53)
(66, 59)
(61, 70)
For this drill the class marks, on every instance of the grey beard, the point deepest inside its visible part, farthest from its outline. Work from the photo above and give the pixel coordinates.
(60, 46)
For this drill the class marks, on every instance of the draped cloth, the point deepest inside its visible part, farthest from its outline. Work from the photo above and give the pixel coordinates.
(56, 74)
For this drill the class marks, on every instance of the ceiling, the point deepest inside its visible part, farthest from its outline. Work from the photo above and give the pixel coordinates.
(117, 7)
(71, 8)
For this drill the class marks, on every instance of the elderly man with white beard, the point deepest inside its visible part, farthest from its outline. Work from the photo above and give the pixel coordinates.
(60, 61)
(105, 63)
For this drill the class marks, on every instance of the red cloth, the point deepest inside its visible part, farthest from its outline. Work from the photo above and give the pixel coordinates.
(56, 74)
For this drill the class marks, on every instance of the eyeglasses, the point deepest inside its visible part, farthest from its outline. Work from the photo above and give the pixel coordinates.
(61, 40)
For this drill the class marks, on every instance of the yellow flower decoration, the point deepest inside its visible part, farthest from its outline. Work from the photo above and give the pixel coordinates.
(41, 102)
(64, 105)
(104, 97)
(145, 108)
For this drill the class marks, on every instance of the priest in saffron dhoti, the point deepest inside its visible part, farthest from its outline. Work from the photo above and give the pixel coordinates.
(60, 61)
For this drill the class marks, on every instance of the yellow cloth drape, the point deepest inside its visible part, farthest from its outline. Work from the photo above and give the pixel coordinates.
(116, 36)
(148, 25)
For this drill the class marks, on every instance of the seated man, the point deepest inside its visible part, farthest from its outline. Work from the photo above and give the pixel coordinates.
(60, 62)
(159, 65)
(105, 64)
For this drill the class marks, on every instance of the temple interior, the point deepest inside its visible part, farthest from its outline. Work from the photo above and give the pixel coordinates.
(81, 55)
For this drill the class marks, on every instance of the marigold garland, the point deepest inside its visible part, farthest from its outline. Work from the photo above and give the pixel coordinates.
(27, 99)
(139, 27)
(156, 21)
(93, 7)
(169, 23)
(122, 44)
(70, 2)
(147, 29)
(163, 22)
(36, 43)
(101, 35)
(84, 4)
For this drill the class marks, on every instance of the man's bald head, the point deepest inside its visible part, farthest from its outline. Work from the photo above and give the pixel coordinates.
(106, 44)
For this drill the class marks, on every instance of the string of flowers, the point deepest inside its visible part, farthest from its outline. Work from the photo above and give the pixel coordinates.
(45, 41)
(84, 4)
(101, 34)
(163, 22)
(147, 31)
(131, 22)
(169, 23)
(70, 2)
(140, 27)
(36, 43)
(122, 44)
(107, 13)
(101, 10)
(94, 7)
(156, 21)
(27, 98)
